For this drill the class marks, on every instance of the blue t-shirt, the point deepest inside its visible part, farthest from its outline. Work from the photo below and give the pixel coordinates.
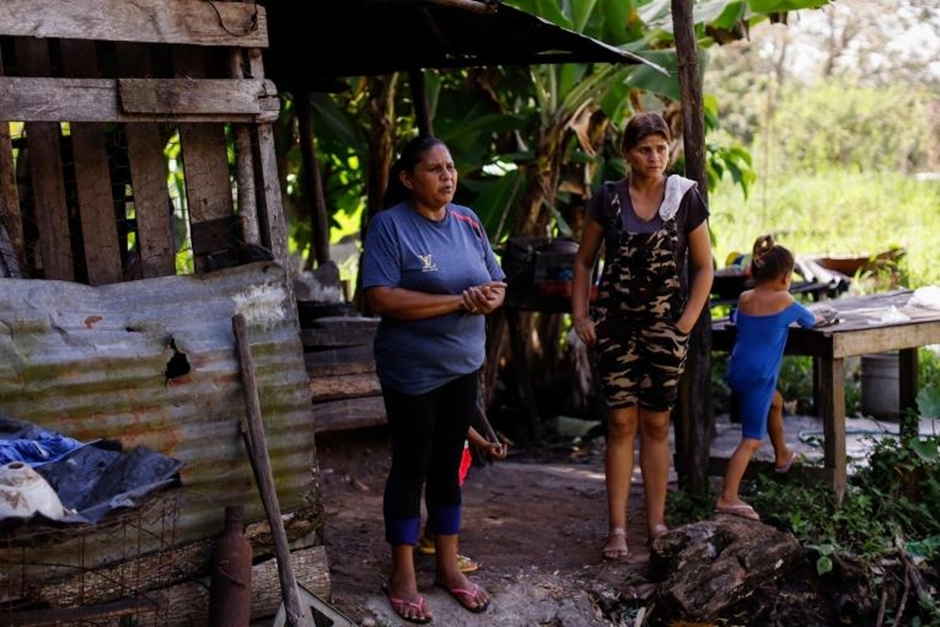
(758, 350)
(404, 249)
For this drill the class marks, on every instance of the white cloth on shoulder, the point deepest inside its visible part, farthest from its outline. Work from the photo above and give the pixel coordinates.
(676, 187)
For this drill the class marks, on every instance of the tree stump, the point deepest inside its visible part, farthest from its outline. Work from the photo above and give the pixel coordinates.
(709, 566)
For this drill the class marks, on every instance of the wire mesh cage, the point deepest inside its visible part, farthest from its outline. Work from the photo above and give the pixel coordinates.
(105, 574)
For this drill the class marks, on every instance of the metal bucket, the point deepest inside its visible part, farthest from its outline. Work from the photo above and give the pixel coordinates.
(880, 385)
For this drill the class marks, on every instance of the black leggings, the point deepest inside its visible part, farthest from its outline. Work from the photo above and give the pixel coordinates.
(428, 433)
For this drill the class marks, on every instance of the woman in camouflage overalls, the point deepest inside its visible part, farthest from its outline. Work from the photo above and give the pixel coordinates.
(652, 225)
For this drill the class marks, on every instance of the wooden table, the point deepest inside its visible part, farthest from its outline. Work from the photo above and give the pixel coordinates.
(861, 330)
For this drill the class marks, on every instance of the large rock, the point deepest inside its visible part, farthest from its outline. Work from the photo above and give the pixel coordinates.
(708, 566)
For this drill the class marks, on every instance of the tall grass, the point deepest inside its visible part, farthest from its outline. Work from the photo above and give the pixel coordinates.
(836, 213)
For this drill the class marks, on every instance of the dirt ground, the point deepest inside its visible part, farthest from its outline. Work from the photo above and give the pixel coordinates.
(535, 522)
(535, 525)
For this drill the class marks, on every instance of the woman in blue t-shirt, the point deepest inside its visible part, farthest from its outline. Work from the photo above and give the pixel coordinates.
(763, 317)
(429, 272)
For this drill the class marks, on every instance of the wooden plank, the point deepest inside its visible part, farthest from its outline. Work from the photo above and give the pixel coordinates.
(189, 602)
(832, 400)
(271, 220)
(338, 331)
(883, 339)
(143, 605)
(45, 165)
(344, 386)
(349, 414)
(93, 178)
(907, 392)
(274, 229)
(195, 22)
(152, 205)
(205, 160)
(213, 96)
(244, 165)
(10, 215)
(32, 99)
(335, 362)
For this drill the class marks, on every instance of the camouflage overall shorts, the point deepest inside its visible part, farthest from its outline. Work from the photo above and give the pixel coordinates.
(641, 353)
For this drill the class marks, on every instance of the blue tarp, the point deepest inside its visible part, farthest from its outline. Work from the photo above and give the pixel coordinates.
(91, 479)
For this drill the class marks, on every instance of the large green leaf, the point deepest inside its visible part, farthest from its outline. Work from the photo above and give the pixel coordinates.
(777, 6)
(338, 122)
(581, 11)
(616, 17)
(928, 403)
(649, 79)
(496, 200)
(548, 9)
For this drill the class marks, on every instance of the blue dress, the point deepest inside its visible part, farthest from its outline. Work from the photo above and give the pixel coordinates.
(755, 362)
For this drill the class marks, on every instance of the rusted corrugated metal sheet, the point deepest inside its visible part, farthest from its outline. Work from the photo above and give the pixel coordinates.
(94, 363)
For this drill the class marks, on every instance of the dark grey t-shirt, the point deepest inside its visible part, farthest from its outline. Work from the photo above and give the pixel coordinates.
(692, 212)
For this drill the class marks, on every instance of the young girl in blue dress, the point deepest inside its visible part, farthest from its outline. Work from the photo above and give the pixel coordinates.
(763, 317)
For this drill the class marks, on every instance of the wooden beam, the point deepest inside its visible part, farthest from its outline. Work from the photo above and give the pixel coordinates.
(45, 166)
(93, 178)
(907, 393)
(344, 386)
(313, 182)
(341, 361)
(337, 332)
(247, 204)
(205, 160)
(137, 100)
(10, 215)
(882, 339)
(832, 400)
(148, 177)
(195, 22)
(349, 414)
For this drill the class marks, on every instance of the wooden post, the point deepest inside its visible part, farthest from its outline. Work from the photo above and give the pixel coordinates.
(45, 165)
(313, 183)
(419, 96)
(245, 165)
(10, 216)
(261, 463)
(93, 177)
(695, 406)
(205, 166)
(271, 220)
(832, 399)
(907, 393)
(148, 176)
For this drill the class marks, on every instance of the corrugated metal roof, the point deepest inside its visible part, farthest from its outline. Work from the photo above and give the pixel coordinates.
(92, 363)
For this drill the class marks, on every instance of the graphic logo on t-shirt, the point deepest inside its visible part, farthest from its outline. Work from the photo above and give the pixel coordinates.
(427, 263)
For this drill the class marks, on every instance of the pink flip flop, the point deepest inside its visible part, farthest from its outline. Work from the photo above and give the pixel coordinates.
(464, 597)
(782, 470)
(743, 510)
(400, 605)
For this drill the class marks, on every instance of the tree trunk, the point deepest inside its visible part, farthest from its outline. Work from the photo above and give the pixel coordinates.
(313, 183)
(419, 96)
(694, 409)
(381, 153)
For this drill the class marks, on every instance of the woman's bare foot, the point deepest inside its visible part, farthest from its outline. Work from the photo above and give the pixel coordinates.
(735, 507)
(615, 547)
(407, 602)
(468, 594)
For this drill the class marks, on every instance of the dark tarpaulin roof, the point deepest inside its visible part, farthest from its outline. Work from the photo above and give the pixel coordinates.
(313, 42)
